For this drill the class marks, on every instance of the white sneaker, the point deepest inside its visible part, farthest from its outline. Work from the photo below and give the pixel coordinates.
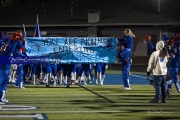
(96, 82)
(22, 87)
(13, 81)
(44, 81)
(4, 100)
(16, 86)
(85, 83)
(126, 88)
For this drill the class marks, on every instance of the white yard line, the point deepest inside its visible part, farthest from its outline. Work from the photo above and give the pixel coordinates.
(38, 116)
(138, 76)
(16, 107)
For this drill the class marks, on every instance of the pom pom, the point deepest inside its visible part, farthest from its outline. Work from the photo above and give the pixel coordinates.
(176, 38)
(171, 42)
(17, 36)
(147, 38)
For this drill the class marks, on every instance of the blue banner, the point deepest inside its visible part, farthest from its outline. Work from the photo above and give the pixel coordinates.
(73, 50)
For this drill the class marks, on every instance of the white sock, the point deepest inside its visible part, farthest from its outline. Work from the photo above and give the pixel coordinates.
(55, 78)
(34, 78)
(47, 78)
(21, 85)
(72, 76)
(102, 78)
(3, 94)
(13, 77)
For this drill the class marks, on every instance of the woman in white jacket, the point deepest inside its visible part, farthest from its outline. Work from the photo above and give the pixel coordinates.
(158, 65)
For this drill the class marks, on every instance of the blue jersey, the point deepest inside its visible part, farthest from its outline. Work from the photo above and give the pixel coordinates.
(151, 47)
(174, 61)
(13, 47)
(16, 45)
(127, 42)
(1, 43)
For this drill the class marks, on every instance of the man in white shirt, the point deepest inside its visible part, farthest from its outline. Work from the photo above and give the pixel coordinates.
(158, 65)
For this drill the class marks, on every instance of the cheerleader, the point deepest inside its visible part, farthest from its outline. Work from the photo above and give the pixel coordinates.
(15, 44)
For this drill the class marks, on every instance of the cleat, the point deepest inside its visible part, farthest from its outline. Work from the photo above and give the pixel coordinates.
(89, 80)
(16, 86)
(4, 100)
(126, 88)
(73, 82)
(44, 81)
(97, 82)
(22, 87)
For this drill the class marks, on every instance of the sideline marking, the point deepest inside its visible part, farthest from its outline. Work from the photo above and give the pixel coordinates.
(121, 111)
(16, 107)
(138, 76)
(38, 116)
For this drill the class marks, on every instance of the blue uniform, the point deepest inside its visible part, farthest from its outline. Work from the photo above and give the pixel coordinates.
(127, 42)
(100, 67)
(91, 67)
(20, 73)
(83, 68)
(74, 67)
(52, 68)
(86, 68)
(174, 64)
(36, 69)
(67, 69)
(151, 47)
(126, 68)
(5, 68)
(125, 57)
(79, 70)
(59, 67)
(44, 69)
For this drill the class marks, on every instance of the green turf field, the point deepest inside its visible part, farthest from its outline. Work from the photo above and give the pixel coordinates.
(91, 102)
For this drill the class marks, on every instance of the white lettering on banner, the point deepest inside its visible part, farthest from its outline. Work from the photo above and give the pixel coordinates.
(73, 49)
